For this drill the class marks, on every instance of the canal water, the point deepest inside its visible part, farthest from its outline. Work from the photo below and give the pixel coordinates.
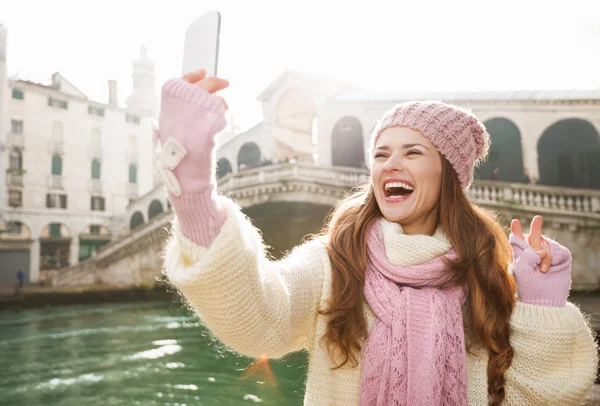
(153, 353)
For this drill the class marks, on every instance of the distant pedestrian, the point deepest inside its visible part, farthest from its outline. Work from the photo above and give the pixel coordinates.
(496, 174)
(21, 278)
(526, 178)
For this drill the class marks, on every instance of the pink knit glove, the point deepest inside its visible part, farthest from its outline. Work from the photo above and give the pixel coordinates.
(190, 117)
(541, 288)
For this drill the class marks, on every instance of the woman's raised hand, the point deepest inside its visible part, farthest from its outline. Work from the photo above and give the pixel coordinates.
(191, 115)
(541, 268)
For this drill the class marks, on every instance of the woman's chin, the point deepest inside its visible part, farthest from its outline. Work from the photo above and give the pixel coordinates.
(395, 216)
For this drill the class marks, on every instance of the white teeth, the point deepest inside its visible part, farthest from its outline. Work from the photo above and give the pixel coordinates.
(398, 184)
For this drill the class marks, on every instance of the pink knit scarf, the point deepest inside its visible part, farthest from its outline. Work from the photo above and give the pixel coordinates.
(415, 354)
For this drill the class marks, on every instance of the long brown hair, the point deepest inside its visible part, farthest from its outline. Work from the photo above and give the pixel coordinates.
(483, 255)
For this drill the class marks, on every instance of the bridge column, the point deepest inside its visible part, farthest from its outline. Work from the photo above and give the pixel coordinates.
(74, 251)
(530, 155)
(34, 261)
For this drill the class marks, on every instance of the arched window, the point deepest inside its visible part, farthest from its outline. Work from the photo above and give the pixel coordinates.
(347, 144)
(16, 159)
(56, 165)
(95, 169)
(132, 174)
(155, 208)
(136, 220)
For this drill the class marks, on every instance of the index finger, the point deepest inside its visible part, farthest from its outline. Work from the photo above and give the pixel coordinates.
(535, 233)
(195, 76)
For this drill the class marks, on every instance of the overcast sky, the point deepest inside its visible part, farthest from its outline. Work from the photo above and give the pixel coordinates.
(386, 46)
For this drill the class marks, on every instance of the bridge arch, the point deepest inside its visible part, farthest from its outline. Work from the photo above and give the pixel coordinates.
(136, 220)
(248, 156)
(223, 167)
(505, 153)
(569, 154)
(347, 143)
(155, 208)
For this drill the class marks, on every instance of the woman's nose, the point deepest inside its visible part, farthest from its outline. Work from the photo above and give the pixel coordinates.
(394, 163)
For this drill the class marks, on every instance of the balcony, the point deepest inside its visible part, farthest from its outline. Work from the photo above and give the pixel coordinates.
(15, 201)
(95, 152)
(132, 190)
(14, 179)
(57, 147)
(55, 181)
(15, 140)
(95, 186)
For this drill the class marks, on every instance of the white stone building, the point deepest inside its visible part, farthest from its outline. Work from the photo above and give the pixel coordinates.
(553, 136)
(72, 167)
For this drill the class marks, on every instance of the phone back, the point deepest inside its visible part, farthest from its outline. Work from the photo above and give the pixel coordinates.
(201, 46)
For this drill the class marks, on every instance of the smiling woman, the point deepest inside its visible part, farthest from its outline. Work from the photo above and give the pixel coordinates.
(405, 297)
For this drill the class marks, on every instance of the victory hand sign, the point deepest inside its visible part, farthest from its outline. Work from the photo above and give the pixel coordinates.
(542, 267)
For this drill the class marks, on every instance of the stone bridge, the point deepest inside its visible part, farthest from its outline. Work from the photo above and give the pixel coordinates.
(288, 201)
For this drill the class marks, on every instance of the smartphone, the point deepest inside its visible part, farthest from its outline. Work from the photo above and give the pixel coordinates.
(201, 45)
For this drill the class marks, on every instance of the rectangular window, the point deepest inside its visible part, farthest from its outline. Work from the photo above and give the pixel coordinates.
(55, 201)
(132, 174)
(54, 229)
(15, 198)
(95, 111)
(132, 119)
(18, 94)
(97, 203)
(56, 165)
(94, 229)
(16, 126)
(57, 103)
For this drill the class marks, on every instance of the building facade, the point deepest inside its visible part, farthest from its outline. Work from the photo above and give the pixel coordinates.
(544, 137)
(72, 167)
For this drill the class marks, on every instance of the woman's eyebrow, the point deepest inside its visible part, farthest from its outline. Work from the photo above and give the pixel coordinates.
(404, 146)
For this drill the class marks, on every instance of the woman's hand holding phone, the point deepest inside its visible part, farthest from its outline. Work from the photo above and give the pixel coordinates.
(191, 115)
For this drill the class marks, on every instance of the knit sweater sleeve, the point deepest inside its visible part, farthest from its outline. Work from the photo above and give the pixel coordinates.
(252, 304)
(555, 358)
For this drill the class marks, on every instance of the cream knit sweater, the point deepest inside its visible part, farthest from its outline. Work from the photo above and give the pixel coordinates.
(256, 306)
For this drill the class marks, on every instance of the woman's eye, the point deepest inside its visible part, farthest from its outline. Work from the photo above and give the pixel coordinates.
(414, 152)
(379, 155)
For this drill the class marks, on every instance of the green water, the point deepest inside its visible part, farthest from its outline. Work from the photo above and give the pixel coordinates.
(131, 354)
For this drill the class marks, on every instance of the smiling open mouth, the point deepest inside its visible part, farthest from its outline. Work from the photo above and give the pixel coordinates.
(397, 189)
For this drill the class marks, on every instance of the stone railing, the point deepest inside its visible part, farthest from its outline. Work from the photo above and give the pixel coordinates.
(15, 140)
(57, 147)
(546, 199)
(15, 179)
(332, 176)
(81, 273)
(95, 185)
(95, 152)
(55, 181)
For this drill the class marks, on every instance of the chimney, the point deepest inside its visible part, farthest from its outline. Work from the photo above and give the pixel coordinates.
(112, 93)
(56, 80)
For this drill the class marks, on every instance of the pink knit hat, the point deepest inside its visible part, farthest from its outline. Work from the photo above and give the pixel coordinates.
(457, 134)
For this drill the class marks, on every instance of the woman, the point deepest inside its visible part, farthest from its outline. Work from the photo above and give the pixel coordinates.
(405, 298)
